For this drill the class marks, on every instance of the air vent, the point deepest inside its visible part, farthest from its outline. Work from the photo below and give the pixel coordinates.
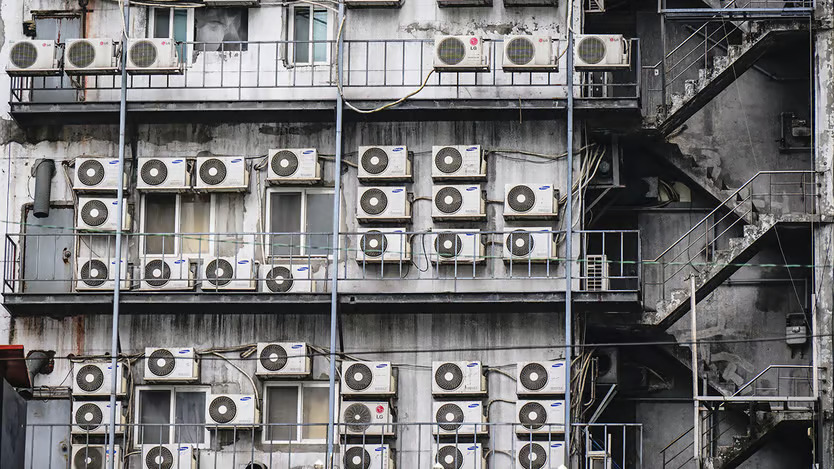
(597, 273)
(86, 456)
(541, 455)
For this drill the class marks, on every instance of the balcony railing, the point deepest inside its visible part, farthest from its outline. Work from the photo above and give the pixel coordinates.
(760, 9)
(404, 262)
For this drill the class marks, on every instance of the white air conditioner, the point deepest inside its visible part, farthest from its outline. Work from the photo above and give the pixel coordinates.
(596, 273)
(155, 456)
(94, 457)
(369, 456)
(373, 3)
(530, 201)
(93, 417)
(97, 175)
(523, 245)
(152, 56)
(540, 378)
(228, 273)
(100, 214)
(384, 163)
(601, 52)
(171, 364)
(95, 56)
(165, 273)
(461, 418)
(389, 245)
(34, 57)
(382, 204)
(283, 359)
(293, 166)
(541, 454)
(163, 174)
(455, 246)
(232, 3)
(366, 418)
(98, 274)
(231, 411)
(458, 378)
(460, 54)
(458, 202)
(368, 379)
(530, 54)
(95, 379)
(540, 417)
(458, 162)
(459, 456)
(222, 174)
(286, 278)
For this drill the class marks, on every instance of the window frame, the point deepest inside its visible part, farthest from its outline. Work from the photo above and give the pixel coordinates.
(300, 385)
(173, 389)
(291, 36)
(189, 22)
(177, 233)
(305, 191)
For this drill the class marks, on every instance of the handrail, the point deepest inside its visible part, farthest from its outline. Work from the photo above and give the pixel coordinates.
(755, 378)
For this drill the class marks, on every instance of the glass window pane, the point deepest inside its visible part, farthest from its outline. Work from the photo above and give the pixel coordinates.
(320, 34)
(301, 34)
(155, 415)
(190, 407)
(161, 17)
(181, 29)
(319, 220)
(160, 217)
(195, 210)
(315, 411)
(285, 217)
(282, 407)
(228, 242)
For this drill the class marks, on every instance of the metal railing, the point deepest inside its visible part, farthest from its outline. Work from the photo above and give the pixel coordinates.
(775, 381)
(744, 8)
(63, 262)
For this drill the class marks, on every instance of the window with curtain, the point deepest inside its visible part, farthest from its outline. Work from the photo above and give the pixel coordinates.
(302, 218)
(186, 215)
(159, 407)
(195, 218)
(289, 405)
(309, 32)
(160, 217)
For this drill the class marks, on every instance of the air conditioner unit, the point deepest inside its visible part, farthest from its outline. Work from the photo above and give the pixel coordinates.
(95, 457)
(152, 56)
(98, 274)
(97, 175)
(541, 378)
(98, 56)
(171, 364)
(530, 201)
(458, 202)
(228, 273)
(596, 273)
(460, 54)
(540, 417)
(100, 214)
(459, 456)
(383, 204)
(283, 359)
(286, 278)
(456, 246)
(155, 456)
(95, 379)
(541, 454)
(370, 456)
(373, 3)
(458, 378)
(530, 54)
(384, 164)
(601, 51)
(232, 3)
(524, 245)
(368, 379)
(222, 174)
(163, 174)
(377, 245)
(34, 57)
(166, 273)
(366, 419)
(458, 162)
(231, 411)
(294, 166)
(461, 418)
(93, 417)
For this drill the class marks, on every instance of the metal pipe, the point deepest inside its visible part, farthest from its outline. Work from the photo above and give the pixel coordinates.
(44, 170)
(696, 446)
(569, 248)
(117, 270)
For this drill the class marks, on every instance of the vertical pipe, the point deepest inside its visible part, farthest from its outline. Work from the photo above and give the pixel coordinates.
(696, 429)
(569, 245)
(337, 177)
(814, 350)
(663, 64)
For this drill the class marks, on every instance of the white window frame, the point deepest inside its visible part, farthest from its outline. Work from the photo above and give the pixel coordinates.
(303, 234)
(299, 412)
(291, 36)
(173, 389)
(189, 22)
(177, 228)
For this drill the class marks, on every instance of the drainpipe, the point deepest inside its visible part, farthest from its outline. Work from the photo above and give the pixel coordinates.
(43, 171)
(569, 250)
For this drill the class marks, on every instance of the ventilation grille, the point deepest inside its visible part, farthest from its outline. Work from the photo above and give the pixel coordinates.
(284, 163)
(521, 51)
(88, 457)
(591, 50)
(94, 213)
(374, 160)
(373, 201)
(451, 51)
(373, 244)
(89, 378)
(94, 273)
(279, 279)
(356, 457)
(154, 172)
(213, 171)
(88, 417)
(448, 160)
(161, 362)
(448, 376)
(596, 271)
(449, 417)
(520, 243)
(222, 409)
(143, 54)
(157, 273)
(448, 245)
(357, 416)
(521, 199)
(273, 357)
(533, 376)
(450, 457)
(159, 457)
(448, 200)
(532, 415)
(219, 272)
(23, 55)
(532, 456)
(81, 54)
(90, 172)
(358, 377)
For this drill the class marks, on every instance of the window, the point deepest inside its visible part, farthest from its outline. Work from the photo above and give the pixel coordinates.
(300, 212)
(160, 406)
(171, 23)
(292, 404)
(214, 26)
(183, 214)
(310, 32)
